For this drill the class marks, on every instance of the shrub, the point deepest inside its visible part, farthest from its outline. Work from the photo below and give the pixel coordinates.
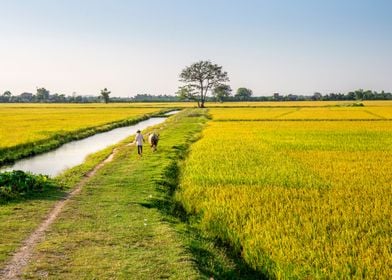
(18, 183)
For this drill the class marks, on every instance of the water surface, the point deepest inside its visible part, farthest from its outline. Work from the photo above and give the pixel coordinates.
(172, 112)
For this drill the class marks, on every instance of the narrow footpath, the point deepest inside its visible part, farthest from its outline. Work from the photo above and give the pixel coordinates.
(22, 257)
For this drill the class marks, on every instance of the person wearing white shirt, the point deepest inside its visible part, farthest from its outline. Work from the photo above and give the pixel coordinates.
(139, 142)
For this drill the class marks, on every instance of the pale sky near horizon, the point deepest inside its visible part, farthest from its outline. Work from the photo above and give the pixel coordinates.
(132, 47)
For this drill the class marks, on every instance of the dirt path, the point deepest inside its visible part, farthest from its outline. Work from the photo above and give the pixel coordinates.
(21, 258)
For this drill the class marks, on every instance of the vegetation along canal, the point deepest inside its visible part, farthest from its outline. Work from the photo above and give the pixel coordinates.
(73, 153)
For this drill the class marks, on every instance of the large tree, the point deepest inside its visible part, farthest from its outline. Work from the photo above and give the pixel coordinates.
(105, 95)
(200, 78)
(243, 94)
(221, 92)
(42, 94)
(6, 96)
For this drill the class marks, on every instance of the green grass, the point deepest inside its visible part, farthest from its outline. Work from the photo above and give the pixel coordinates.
(19, 217)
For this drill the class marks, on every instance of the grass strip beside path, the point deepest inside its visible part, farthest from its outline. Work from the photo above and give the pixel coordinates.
(113, 229)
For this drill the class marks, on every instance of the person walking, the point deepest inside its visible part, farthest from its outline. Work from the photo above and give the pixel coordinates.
(139, 142)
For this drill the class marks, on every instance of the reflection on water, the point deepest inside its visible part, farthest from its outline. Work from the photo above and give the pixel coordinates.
(172, 113)
(73, 153)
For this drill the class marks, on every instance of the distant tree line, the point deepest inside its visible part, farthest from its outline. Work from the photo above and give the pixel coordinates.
(222, 93)
(359, 94)
(43, 95)
(244, 94)
(155, 98)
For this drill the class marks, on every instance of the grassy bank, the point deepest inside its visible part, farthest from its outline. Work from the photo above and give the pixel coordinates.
(35, 137)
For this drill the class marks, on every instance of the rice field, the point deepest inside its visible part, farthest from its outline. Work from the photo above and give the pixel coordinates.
(27, 123)
(302, 113)
(346, 103)
(20, 125)
(298, 189)
(297, 198)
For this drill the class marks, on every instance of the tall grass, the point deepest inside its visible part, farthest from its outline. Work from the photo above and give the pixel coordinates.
(296, 199)
(302, 113)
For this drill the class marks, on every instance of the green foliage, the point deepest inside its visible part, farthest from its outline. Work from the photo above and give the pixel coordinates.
(200, 78)
(105, 95)
(18, 183)
(187, 93)
(243, 94)
(221, 92)
(42, 94)
(6, 97)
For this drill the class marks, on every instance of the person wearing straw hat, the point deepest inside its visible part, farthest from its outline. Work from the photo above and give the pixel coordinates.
(139, 142)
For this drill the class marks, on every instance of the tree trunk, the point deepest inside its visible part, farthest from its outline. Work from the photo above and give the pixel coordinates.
(201, 105)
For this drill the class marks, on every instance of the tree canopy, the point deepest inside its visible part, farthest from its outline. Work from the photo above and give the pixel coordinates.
(222, 92)
(105, 95)
(42, 94)
(243, 93)
(200, 78)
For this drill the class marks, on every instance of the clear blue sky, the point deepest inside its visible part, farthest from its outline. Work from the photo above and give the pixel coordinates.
(292, 46)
